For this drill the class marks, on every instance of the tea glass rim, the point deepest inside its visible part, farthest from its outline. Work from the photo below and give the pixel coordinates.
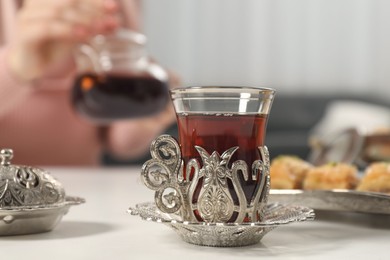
(217, 89)
(222, 100)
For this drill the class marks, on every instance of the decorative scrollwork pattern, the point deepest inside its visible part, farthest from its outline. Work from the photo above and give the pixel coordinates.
(26, 186)
(161, 174)
(27, 178)
(214, 202)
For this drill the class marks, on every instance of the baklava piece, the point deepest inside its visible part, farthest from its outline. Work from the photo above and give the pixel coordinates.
(331, 176)
(288, 172)
(376, 178)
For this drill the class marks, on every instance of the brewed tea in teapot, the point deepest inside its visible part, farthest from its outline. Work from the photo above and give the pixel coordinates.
(117, 79)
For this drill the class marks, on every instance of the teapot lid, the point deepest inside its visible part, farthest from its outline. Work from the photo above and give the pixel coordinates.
(121, 35)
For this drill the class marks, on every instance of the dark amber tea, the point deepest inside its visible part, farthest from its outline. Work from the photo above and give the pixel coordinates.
(118, 96)
(219, 132)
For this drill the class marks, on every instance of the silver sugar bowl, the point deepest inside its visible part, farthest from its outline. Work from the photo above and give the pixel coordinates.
(31, 200)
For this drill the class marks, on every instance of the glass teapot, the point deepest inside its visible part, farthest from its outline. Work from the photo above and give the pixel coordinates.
(116, 79)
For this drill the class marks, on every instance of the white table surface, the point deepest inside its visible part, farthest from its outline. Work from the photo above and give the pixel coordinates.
(101, 229)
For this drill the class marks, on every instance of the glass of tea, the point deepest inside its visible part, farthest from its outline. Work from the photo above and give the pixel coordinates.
(218, 118)
(116, 78)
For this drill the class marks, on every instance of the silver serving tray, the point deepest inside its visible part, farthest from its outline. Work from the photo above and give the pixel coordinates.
(34, 219)
(336, 200)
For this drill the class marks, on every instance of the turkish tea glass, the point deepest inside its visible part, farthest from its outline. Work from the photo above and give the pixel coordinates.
(222, 130)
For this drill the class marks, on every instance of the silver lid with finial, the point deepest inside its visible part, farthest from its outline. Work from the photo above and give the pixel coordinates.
(30, 195)
(22, 186)
(6, 156)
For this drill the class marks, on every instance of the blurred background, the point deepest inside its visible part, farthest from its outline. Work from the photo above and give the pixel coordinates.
(313, 52)
(316, 46)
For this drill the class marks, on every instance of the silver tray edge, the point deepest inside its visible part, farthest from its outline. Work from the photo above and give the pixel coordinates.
(336, 200)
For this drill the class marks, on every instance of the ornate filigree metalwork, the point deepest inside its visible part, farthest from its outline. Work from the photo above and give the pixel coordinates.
(31, 200)
(225, 234)
(26, 186)
(207, 196)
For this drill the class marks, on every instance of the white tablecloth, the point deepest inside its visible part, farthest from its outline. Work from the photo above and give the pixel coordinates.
(101, 229)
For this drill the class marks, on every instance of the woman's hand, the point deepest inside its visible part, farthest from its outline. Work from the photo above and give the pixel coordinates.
(47, 31)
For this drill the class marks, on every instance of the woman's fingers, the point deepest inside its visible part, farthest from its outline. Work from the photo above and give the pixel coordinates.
(47, 30)
(96, 16)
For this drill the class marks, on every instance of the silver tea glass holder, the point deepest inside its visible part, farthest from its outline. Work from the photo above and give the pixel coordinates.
(202, 210)
(212, 187)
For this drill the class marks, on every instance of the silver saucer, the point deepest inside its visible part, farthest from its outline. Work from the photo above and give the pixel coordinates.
(225, 234)
(34, 219)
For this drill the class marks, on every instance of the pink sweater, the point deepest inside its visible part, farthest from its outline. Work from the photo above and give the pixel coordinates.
(38, 121)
